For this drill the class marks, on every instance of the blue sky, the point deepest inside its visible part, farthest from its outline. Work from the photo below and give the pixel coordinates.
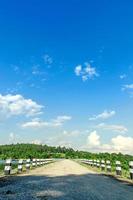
(66, 70)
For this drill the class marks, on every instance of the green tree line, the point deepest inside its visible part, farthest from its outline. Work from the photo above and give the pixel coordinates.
(17, 151)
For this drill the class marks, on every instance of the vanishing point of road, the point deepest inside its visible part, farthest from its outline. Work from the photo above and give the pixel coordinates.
(64, 180)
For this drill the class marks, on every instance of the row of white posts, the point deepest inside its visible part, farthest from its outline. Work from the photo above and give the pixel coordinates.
(106, 165)
(27, 163)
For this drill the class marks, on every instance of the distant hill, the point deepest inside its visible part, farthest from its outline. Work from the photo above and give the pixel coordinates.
(16, 151)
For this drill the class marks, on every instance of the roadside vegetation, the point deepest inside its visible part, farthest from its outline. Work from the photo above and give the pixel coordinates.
(17, 151)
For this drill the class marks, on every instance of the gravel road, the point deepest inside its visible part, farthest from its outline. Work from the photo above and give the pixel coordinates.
(64, 180)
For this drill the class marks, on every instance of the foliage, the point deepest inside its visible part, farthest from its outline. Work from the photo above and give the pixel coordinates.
(17, 151)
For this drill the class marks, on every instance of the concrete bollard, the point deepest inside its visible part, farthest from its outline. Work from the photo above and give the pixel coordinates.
(108, 166)
(84, 161)
(131, 169)
(41, 162)
(102, 165)
(95, 163)
(98, 163)
(92, 163)
(34, 162)
(8, 167)
(20, 165)
(44, 161)
(28, 164)
(88, 162)
(38, 162)
(118, 168)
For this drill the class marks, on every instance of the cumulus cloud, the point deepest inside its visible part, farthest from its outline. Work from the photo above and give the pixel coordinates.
(13, 105)
(36, 142)
(64, 143)
(47, 59)
(123, 76)
(73, 133)
(85, 72)
(123, 144)
(105, 115)
(13, 138)
(127, 87)
(93, 139)
(37, 123)
(78, 70)
(117, 144)
(16, 68)
(36, 71)
(64, 138)
(60, 120)
(113, 127)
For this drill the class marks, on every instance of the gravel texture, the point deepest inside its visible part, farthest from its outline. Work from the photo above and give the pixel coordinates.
(64, 180)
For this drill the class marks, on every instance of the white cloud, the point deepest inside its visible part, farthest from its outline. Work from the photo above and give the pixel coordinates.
(105, 115)
(84, 78)
(60, 120)
(36, 142)
(93, 139)
(127, 87)
(117, 144)
(123, 76)
(123, 144)
(64, 138)
(13, 138)
(37, 123)
(64, 143)
(113, 127)
(36, 71)
(78, 70)
(16, 68)
(73, 133)
(47, 59)
(13, 105)
(90, 71)
(86, 72)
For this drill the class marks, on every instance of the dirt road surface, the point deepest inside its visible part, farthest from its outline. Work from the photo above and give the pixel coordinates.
(64, 180)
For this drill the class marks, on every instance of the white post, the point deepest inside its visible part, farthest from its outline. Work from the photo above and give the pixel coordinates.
(8, 167)
(103, 165)
(28, 164)
(38, 163)
(43, 161)
(108, 166)
(95, 163)
(131, 169)
(92, 163)
(34, 162)
(98, 163)
(118, 168)
(20, 165)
